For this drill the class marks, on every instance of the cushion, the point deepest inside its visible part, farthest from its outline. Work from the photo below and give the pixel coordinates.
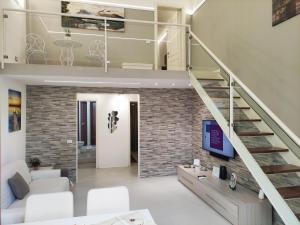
(7, 171)
(18, 186)
(43, 186)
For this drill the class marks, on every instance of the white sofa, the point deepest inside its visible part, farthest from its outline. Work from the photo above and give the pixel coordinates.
(41, 181)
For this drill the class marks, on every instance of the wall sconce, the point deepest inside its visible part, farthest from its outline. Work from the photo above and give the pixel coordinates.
(112, 121)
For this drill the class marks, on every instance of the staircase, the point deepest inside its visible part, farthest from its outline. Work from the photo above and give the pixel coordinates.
(267, 147)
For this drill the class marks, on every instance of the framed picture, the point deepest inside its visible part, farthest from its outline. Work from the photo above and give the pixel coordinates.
(14, 110)
(94, 10)
(284, 10)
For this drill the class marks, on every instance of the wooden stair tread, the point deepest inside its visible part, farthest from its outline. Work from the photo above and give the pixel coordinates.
(267, 150)
(287, 168)
(215, 88)
(247, 120)
(254, 134)
(298, 215)
(243, 107)
(223, 97)
(211, 79)
(289, 192)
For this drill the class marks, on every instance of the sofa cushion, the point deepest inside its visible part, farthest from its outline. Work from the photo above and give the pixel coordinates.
(18, 186)
(43, 186)
(7, 171)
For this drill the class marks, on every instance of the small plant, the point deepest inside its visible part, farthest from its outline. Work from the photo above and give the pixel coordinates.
(35, 163)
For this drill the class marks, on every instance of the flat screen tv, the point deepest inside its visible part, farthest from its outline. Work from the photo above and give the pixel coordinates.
(215, 141)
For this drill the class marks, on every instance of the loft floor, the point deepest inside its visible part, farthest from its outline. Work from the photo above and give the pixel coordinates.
(94, 76)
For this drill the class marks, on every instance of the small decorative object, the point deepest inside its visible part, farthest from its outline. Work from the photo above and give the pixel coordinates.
(284, 10)
(67, 34)
(35, 163)
(112, 121)
(261, 195)
(223, 173)
(216, 171)
(14, 110)
(232, 183)
(196, 165)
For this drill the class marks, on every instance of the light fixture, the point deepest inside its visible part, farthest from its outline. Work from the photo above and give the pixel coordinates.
(173, 84)
(190, 85)
(89, 82)
(121, 5)
(156, 84)
(162, 37)
(191, 12)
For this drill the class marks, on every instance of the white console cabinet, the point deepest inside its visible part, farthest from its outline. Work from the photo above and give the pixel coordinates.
(240, 207)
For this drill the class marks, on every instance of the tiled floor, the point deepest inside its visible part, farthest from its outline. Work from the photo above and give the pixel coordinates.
(169, 202)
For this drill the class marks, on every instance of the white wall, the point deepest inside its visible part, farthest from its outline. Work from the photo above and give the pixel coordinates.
(15, 28)
(265, 58)
(13, 144)
(113, 149)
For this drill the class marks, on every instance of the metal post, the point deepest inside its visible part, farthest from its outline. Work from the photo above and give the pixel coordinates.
(189, 49)
(3, 40)
(231, 106)
(105, 40)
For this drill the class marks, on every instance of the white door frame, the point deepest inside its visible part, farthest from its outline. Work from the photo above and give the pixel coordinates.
(92, 97)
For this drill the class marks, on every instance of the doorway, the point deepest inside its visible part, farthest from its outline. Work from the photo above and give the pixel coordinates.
(171, 39)
(134, 132)
(113, 149)
(86, 137)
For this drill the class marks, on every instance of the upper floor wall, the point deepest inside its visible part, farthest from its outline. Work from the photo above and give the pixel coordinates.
(265, 58)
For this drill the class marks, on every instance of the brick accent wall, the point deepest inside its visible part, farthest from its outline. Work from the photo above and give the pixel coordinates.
(165, 126)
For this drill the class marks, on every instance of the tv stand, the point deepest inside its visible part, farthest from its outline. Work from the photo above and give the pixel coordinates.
(240, 207)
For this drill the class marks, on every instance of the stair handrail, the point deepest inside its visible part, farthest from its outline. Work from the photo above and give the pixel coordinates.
(275, 118)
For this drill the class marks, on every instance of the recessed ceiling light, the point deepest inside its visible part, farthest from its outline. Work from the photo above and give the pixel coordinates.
(156, 84)
(190, 85)
(173, 84)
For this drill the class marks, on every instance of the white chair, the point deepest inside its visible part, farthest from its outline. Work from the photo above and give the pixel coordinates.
(49, 206)
(35, 45)
(107, 200)
(97, 51)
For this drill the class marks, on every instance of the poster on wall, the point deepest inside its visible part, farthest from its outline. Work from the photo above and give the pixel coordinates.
(92, 10)
(284, 10)
(14, 110)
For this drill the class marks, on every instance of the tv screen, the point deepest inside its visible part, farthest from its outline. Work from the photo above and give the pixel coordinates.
(214, 140)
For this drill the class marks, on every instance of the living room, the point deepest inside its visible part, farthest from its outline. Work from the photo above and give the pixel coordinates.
(121, 114)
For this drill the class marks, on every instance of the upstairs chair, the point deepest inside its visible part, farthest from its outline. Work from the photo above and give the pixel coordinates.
(49, 206)
(35, 45)
(107, 200)
(97, 51)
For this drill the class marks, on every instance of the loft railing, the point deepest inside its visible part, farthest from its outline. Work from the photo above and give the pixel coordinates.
(204, 59)
(144, 44)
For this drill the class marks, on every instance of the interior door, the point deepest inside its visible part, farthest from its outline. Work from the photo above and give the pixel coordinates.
(83, 122)
(174, 38)
(134, 130)
(93, 122)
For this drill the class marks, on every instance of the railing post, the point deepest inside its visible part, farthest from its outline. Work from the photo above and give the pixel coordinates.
(3, 39)
(106, 50)
(231, 106)
(189, 48)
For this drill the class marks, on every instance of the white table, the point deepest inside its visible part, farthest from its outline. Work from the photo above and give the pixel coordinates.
(66, 50)
(91, 220)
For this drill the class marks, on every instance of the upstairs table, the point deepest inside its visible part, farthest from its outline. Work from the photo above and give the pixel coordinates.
(142, 217)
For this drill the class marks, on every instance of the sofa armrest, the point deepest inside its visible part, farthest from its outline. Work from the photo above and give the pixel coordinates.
(44, 174)
(12, 216)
